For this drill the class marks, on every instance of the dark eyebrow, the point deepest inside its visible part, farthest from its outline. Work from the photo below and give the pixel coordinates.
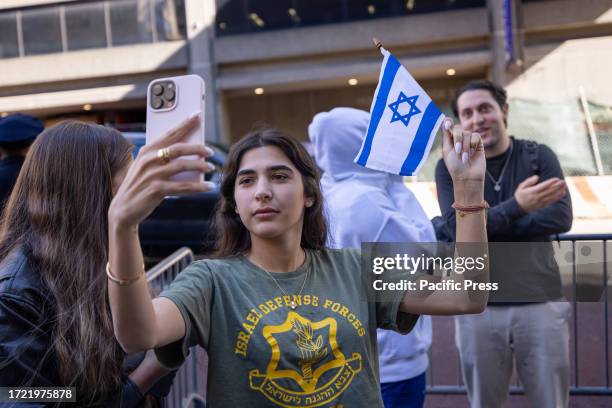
(245, 171)
(280, 167)
(271, 168)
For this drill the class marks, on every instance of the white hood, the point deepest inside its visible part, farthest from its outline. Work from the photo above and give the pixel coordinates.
(336, 137)
(351, 191)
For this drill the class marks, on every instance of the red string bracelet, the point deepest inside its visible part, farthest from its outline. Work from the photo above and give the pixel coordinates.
(462, 210)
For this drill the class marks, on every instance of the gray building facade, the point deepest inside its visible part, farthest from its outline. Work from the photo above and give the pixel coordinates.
(280, 62)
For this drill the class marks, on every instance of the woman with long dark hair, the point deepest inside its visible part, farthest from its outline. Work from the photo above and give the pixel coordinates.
(55, 322)
(286, 321)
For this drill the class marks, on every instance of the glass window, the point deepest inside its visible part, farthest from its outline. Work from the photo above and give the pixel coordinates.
(130, 22)
(561, 126)
(170, 18)
(365, 9)
(9, 47)
(270, 15)
(601, 116)
(41, 31)
(85, 26)
(231, 17)
(241, 16)
(322, 11)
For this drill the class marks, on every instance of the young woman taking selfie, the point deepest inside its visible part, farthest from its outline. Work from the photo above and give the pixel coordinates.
(284, 320)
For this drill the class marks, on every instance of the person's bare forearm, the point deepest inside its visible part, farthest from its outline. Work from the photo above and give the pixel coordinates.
(470, 227)
(147, 182)
(133, 314)
(471, 242)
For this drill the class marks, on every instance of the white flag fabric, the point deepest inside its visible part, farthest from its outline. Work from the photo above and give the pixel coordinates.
(403, 122)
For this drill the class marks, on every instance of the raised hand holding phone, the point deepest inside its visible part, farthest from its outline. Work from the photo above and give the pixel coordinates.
(152, 176)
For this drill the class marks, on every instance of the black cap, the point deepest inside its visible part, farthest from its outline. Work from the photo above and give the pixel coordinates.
(19, 128)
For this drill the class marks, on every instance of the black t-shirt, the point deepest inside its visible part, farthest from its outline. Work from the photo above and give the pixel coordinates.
(525, 270)
(496, 164)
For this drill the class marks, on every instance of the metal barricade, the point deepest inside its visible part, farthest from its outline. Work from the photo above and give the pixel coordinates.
(185, 392)
(589, 274)
(584, 266)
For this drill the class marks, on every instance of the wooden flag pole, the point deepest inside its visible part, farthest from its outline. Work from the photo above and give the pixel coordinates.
(377, 43)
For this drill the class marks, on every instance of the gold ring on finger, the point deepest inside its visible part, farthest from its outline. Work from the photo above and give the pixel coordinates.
(163, 155)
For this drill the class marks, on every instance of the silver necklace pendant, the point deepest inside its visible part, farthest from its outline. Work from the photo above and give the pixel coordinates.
(292, 304)
(497, 183)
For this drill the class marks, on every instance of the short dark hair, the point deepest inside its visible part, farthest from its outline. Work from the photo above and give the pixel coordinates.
(497, 92)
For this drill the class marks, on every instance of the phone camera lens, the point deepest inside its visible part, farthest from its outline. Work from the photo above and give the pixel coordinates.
(169, 94)
(157, 89)
(157, 103)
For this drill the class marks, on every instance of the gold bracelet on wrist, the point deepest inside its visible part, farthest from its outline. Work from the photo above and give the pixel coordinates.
(122, 282)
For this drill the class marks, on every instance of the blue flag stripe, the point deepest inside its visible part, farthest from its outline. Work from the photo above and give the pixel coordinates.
(417, 150)
(379, 108)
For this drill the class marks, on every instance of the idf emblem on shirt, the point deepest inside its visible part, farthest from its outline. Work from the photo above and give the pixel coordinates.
(323, 372)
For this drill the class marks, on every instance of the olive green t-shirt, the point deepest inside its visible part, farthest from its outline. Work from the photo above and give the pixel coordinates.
(264, 353)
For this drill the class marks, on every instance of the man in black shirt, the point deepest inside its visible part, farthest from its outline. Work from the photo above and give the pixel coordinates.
(529, 203)
(17, 132)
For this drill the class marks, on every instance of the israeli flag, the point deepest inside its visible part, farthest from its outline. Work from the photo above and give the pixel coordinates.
(403, 122)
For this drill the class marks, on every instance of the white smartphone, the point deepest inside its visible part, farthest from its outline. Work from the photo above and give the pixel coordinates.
(170, 101)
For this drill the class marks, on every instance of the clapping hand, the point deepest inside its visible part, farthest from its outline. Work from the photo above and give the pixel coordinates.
(531, 195)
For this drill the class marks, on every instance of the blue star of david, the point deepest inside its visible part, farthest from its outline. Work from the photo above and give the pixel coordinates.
(411, 101)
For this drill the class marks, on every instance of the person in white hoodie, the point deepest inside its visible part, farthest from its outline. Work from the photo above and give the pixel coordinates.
(387, 212)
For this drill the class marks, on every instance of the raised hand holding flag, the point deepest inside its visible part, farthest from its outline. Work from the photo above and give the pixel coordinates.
(403, 122)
